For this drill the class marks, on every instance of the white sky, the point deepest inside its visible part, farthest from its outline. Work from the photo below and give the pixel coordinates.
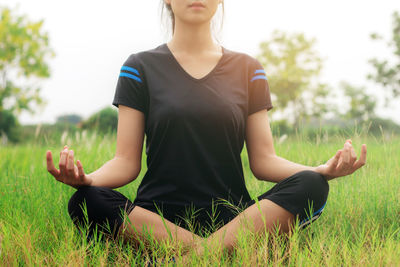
(93, 38)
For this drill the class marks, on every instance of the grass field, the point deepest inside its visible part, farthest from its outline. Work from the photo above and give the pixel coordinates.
(360, 225)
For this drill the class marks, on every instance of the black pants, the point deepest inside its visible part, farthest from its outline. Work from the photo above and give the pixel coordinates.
(304, 194)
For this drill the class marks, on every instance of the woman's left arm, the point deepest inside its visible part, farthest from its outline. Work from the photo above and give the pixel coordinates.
(266, 165)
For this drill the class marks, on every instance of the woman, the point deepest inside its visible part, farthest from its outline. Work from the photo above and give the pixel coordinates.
(197, 102)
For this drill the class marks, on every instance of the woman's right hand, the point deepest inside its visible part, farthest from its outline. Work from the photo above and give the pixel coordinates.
(69, 173)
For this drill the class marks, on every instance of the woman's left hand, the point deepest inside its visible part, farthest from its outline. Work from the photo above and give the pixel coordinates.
(344, 162)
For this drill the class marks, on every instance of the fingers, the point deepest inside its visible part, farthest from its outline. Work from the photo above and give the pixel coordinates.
(344, 162)
(335, 160)
(50, 165)
(363, 157)
(81, 173)
(63, 162)
(65, 147)
(347, 159)
(70, 164)
(346, 155)
(69, 173)
(353, 155)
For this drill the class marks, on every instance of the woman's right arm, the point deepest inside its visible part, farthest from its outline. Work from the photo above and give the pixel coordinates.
(119, 171)
(126, 164)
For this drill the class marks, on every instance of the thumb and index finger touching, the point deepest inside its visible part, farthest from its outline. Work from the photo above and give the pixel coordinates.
(357, 164)
(360, 161)
(55, 172)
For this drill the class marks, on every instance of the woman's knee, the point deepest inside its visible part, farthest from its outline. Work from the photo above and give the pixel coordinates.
(316, 188)
(101, 206)
(80, 200)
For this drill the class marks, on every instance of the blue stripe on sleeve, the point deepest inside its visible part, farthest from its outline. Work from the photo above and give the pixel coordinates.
(258, 77)
(124, 74)
(259, 71)
(130, 69)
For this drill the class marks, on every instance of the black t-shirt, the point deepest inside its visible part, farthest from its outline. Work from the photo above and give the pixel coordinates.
(195, 128)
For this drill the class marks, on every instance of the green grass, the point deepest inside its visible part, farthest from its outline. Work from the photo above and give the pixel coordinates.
(360, 225)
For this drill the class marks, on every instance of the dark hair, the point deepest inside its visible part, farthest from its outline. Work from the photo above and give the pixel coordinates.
(172, 16)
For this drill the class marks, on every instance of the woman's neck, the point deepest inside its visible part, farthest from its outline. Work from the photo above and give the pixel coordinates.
(192, 39)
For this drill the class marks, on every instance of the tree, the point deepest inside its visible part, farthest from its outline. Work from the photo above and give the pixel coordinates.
(9, 126)
(24, 51)
(387, 73)
(292, 67)
(361, 105)
(104, 121)
(320, 106)
(69, 118)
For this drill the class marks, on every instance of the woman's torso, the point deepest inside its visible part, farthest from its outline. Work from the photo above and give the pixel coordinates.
(195, 129)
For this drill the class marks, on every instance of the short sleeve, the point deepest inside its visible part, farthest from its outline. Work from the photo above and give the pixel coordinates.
(131, 90)
(259, 96)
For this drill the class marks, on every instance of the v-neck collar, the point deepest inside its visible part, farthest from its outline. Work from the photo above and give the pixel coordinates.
(165, 46)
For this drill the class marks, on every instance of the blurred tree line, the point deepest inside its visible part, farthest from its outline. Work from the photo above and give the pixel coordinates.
(104, 121)
(291, 62)
(387, 71)
(293, 68)
(24, 51)
(24, 56)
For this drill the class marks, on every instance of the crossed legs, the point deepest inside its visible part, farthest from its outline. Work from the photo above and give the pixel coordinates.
(276, 208)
